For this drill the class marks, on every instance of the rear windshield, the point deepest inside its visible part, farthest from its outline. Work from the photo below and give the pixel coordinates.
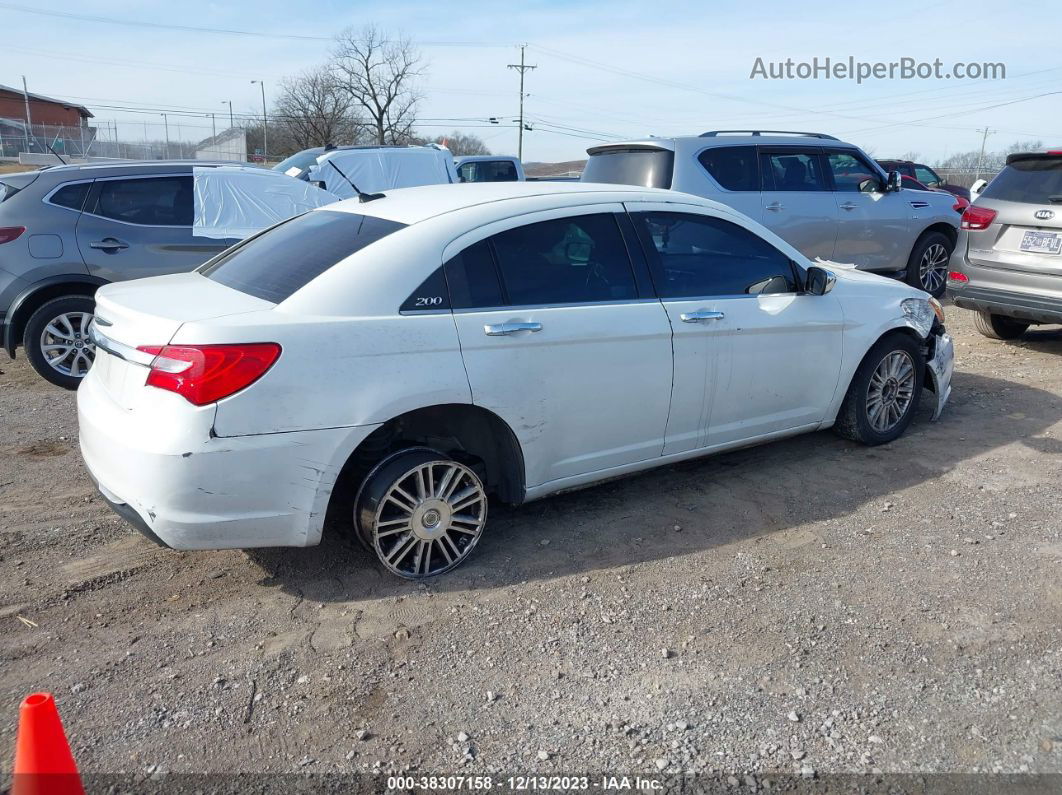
(1035, 181)
(647, 168)
(281, 260)
(300, 160)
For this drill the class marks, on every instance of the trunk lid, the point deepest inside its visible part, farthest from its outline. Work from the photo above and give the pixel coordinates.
(149, 312)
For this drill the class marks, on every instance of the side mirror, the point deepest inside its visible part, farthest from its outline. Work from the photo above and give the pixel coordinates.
(894, 183)
(820, 281)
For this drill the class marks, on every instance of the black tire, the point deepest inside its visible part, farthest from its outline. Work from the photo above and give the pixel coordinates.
(854, 419)
(927, 267)
(75, 308)
(433, 531)
(998, 327)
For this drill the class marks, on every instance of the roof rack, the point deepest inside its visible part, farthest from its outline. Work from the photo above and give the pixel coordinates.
(714, 133)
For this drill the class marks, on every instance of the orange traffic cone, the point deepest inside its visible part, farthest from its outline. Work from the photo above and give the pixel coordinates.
(43, 762)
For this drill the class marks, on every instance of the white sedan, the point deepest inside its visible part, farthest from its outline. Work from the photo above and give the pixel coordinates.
(400, 359)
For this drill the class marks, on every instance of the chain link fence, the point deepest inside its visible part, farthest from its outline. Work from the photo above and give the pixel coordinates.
(84, 142)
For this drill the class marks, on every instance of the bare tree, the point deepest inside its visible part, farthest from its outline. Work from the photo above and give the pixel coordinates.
(463, 143)
(378, 74)
(314, 110)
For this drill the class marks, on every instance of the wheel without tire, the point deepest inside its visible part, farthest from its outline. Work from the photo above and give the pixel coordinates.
(997, 327)
(56, 340)
(884, 392)
(927, 268)
(421, 512)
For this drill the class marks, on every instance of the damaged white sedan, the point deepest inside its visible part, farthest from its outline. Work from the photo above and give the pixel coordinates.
(400, 359)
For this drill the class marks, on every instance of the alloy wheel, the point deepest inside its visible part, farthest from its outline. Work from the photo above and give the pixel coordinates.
(430, 519)
(66, 346)
(890, 391)
(933, 269)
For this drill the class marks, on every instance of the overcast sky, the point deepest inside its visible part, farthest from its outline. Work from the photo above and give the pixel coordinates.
(605, 69)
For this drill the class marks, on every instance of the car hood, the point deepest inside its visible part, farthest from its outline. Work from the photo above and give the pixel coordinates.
(849, 274)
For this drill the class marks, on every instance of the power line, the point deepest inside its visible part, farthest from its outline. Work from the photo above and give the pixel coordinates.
(221, 31)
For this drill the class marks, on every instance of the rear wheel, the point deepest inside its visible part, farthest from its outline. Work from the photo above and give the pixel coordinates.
(56, 340)
(884, 392)
(997, 327)
(927, 269)
(421, 512)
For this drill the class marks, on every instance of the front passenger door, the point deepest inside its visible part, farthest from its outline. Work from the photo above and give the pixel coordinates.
(872, 233)
(753, 355)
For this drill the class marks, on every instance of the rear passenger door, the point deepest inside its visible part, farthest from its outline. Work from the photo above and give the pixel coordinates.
(736, 171)
(872, 232)
(753, 354)
(140, 226)
(797, 203)
(563, 340)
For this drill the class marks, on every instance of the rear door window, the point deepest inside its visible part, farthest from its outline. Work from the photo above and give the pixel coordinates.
(147, 201)
(1034, 181)
(281, 260)
(698, 256)
(71, 196)
(793, 170)
(649, 168)
(580, 259)
(735, 168)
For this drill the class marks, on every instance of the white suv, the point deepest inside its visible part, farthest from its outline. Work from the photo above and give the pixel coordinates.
(398, 360)
(826, 197)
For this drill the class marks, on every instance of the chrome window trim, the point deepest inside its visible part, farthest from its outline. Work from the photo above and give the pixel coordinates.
(529, 307)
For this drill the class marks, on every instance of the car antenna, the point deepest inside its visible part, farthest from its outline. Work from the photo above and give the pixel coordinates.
(362, 197)
(57, 155)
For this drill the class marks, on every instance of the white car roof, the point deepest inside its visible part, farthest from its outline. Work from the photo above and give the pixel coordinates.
(413, 205)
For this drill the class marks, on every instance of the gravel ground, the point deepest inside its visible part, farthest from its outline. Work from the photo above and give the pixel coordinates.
(809, 607)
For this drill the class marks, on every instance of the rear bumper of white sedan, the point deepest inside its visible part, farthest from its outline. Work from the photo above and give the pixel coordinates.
(205, 492)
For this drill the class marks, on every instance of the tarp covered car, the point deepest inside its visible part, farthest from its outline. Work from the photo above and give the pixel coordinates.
(383, 168)
(239, 201)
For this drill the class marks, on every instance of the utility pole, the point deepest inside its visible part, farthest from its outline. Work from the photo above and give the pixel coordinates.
(229, 103)
(166, 121)
(522, 68)
(981, 157)
(29, 119)
(265, 123)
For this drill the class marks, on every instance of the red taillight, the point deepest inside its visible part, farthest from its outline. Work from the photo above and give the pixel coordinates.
(960, 205)
(203, 374)
(978, 217)
(960, 278)
(1054, 151)
(9, 233)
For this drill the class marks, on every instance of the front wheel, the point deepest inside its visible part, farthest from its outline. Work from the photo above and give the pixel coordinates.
(927, 269)
(884, 392)
(421, 512)
(56, 340)
(997, 327)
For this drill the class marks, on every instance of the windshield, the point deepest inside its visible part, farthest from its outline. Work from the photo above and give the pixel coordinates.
(649, 168)
(1036, 180)
(290, 255)
(300, 160)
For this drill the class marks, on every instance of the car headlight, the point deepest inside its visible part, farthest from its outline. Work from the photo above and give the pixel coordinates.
(922, 312)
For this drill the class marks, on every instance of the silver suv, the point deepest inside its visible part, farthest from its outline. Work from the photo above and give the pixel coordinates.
(825, 197)
(1008, 263)
(65, 230)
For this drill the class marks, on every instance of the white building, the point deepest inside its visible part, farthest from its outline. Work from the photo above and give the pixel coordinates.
(230, 144)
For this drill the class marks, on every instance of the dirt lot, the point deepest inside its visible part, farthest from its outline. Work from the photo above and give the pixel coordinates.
(810, 605)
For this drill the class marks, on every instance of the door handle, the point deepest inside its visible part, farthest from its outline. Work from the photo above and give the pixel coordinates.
(697, 317)
(849, 206)
(775, 207)
(505, 329)
(109, 244)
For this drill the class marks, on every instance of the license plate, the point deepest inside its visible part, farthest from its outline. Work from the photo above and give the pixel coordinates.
(1042, 242)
